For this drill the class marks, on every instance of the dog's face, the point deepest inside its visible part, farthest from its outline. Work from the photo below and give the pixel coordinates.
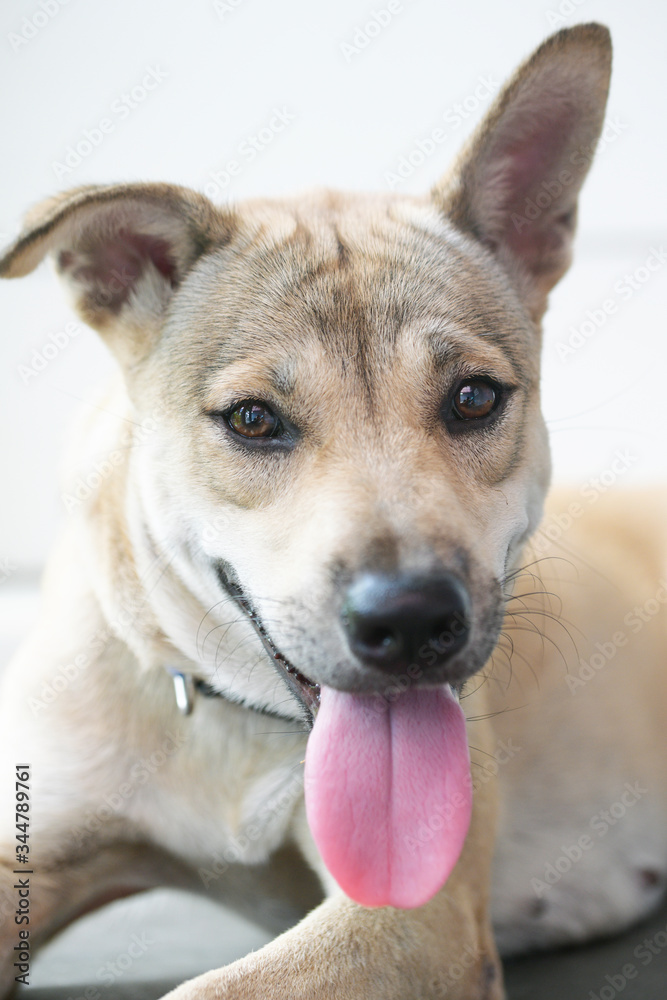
(351, 450)
(351, 395)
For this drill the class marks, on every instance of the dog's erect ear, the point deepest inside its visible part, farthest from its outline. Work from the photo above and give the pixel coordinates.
(123, 250)
(515, 184)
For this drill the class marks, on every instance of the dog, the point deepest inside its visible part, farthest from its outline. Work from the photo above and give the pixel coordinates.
(296, 649)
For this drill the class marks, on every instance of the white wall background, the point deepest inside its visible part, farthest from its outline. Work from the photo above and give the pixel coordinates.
(225, 70)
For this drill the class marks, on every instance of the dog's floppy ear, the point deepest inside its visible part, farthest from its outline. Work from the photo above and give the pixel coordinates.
(122, 250)
(515, 185)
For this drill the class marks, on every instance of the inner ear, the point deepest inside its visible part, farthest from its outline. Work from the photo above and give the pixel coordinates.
(109, 271)
(530, 162)
(536, 204)
(516, 183)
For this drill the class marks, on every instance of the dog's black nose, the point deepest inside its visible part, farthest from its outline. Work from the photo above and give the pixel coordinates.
(395, 621)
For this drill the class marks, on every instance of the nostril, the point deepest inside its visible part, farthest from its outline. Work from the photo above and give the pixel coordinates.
(378, 638)
(449, 632)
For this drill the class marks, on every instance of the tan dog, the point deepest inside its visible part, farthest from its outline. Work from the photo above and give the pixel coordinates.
(337, 458)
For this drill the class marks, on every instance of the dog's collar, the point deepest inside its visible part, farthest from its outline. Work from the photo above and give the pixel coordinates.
(186, 688)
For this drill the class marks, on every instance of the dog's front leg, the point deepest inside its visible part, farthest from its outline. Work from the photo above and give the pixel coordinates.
(442, 951)
(46, 896)
(344, 951)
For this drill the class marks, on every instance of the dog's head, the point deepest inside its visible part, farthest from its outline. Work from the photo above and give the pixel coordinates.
(350, 450)
(351, 439)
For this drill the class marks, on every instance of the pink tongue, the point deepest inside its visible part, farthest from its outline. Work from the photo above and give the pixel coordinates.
(388, 792)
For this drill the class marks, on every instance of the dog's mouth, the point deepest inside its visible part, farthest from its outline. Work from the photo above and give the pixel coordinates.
(387, 781)
(306, 692)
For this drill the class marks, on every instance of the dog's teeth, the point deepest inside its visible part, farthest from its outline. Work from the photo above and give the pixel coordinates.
(454, 692)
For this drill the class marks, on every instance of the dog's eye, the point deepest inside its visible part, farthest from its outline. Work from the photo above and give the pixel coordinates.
(254, 419)
(475, 398)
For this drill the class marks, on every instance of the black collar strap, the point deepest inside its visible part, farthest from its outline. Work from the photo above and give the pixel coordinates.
(187, 687)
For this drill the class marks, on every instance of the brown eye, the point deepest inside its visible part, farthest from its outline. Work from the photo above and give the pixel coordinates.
(475, 399)
(254, 419)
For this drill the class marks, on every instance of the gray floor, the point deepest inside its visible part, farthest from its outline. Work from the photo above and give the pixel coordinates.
(175, 936)
(598, 972)
(138, 949)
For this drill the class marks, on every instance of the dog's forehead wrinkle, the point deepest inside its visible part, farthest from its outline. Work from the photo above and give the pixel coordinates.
(352, 274)
(389, 289)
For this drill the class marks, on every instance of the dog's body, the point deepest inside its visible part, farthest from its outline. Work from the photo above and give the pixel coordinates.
(376, 327)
